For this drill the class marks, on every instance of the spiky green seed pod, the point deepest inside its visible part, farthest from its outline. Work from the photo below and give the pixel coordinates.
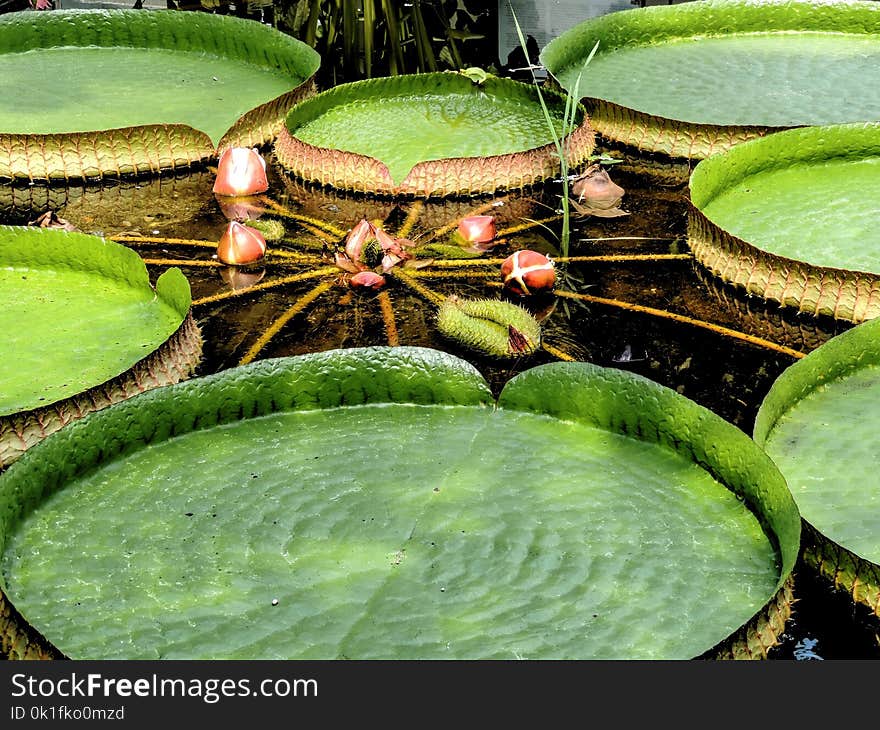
(372, 253)
(491, 326)
(272, 229)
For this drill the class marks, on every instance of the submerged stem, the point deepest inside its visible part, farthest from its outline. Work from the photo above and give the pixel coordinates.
(412, 217)
(557, 353)
(125, 238)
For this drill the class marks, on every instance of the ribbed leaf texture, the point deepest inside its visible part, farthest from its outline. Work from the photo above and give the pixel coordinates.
(742, 68)
(428, 135)
(805, 424)
(777, 217)
(111, 107)
(377, 494)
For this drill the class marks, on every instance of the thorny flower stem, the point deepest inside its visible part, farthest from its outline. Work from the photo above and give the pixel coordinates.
(317, 232)
(124, 238)
(751, 339)
(627, 258)
(443, 230)
(528, 224)
(305, 276)
(304, 301)
(388, 317)
(280, 253)
(289, 255)
(412, 217)
(457, 263)
(557, 353)
(420, 289)
(328, 230)
(181, 262)
(628, 238)
(615, 258)
(428, 274)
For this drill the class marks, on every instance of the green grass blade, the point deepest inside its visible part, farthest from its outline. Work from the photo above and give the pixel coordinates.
(392, 30)
(349, 36)
(427, 61)
(569, 116)
(369, 35)
(311, 33)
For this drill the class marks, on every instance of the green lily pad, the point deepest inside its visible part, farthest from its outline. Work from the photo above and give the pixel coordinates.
(78, 313)
(693, 79)
(429, 135)
(806, 424)
(791, 217)
(172, 86)
(376, 503)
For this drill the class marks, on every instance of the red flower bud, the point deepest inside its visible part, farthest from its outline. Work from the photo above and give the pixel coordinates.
(241, 171)
(477, 228)
(241, 244)
(366, 280)
(356, 238)
(595, 189)
(528, 272)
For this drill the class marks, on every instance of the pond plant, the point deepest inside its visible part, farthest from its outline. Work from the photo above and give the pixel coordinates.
(382, 37)
(743, 69)
(418, 249)
(830, 470)
(100, 101)
(430, 135)
(77, 294)
(626, 480)
(790, 218)
(450, 573)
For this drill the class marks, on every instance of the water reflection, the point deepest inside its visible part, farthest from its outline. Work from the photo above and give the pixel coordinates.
(114, 205)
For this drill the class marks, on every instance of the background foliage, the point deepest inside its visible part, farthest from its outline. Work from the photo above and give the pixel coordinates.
(367, 38)
(356, 38)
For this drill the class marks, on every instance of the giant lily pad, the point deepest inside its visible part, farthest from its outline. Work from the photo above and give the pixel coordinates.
(376, 503)
(817, 423)
(428, 135)
(115, 92)
(791, 217)
(82, 328)
(694, 79)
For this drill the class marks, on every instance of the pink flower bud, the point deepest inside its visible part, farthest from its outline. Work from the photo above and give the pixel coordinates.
(595, 189)
(389, 261)
(477, 228)
(346, 264)
(386, 242)
(528, 272)
(367, 280)
(241, 171)
(240, 245)
(356, 238)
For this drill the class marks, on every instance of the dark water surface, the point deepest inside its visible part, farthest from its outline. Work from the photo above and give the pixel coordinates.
(292, 311)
